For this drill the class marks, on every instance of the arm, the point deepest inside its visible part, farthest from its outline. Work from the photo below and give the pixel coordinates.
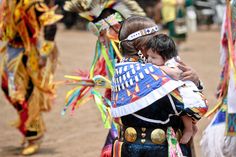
(47, 20)
(48, 43)
(190, 103)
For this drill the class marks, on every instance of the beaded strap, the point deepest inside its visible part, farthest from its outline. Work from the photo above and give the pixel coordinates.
(140, 58)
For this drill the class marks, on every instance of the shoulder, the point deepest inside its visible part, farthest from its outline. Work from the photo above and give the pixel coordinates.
(123, 67)
(137, 70)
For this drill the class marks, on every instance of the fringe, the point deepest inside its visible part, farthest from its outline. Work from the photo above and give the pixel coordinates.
(214, 143)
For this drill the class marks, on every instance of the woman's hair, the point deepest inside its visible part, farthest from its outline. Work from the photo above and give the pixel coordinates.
(131, 25)
(163, 45)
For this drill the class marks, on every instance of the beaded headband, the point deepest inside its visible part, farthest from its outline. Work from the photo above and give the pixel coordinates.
(142, 32)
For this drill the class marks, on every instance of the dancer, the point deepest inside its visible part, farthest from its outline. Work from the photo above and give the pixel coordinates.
(105, 21)
(28, 64)
(219, 137)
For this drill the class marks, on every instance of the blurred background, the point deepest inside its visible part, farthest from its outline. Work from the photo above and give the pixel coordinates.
(199, 14)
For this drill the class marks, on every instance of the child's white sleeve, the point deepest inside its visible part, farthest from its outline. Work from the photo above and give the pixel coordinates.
(191, 95)
(171, 63)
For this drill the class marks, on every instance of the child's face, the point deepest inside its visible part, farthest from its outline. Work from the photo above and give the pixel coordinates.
(155, 58)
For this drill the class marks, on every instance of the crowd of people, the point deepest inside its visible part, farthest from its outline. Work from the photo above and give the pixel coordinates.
(28, 64)
(152, 99)
(197, 12)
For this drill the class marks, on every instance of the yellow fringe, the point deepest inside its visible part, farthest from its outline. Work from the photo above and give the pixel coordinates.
(3, 49)
(37, 102)
(2, 63)
(116, 50)
(50, 68)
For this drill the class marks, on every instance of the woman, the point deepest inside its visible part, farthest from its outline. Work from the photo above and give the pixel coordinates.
(145, 101)
(28, 64)
(105, 23)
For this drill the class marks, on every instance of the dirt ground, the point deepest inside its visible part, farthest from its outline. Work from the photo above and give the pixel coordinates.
(83, 135)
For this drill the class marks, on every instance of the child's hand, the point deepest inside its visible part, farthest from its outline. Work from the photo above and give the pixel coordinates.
(195, 129)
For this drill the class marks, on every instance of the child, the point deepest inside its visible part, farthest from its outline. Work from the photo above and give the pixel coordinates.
(162, 52)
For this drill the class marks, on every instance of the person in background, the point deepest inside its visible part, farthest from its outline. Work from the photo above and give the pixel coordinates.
(174, 17)
(28, 64)
(219, 138)
(105, 18)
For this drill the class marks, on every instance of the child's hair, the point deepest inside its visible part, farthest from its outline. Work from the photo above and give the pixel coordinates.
(163, 45)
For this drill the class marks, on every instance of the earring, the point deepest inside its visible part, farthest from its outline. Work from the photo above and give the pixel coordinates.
(142, 58)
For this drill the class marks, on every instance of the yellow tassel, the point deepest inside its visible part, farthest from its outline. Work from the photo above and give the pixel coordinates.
(116, 50)
(3, 49)
(216, 108)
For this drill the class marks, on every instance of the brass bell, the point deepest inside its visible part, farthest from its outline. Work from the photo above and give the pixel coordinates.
(158, 136)
(130, 134)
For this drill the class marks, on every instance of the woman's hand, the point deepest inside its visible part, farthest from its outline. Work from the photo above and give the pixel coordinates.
(188, 73)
